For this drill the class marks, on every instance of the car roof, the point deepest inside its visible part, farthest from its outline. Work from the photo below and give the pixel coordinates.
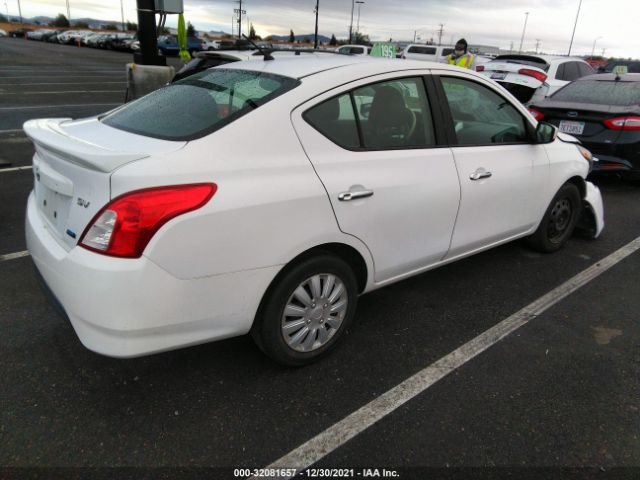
(300, 67)
(611, 77)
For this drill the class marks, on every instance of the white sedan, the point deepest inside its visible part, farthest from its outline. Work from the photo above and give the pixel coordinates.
(266, 196)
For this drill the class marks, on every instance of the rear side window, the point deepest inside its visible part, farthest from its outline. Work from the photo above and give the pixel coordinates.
(199, 104)
(422, 50)
(600, 92)
(585, 70)
(481, 116)
(447, 51)
(388, 115)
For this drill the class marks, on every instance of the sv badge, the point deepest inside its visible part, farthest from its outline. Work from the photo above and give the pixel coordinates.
(83, 203)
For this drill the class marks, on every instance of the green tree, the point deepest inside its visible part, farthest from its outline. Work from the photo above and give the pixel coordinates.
(362, 39)
(111, 27)
(60, 21)
(191, 30)
(81, 25)
(292, 37)
(132, 26)
(252, 32)
(334, 41)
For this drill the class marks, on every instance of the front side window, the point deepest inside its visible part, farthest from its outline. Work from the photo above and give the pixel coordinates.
(393, 114)
(481, 116)
(199, 104)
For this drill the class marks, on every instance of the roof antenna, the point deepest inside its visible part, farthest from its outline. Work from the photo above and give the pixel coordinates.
(265, 52)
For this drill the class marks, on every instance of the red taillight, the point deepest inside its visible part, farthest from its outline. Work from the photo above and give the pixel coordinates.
(623, 123)
(533, 73)
(480, 68)
(124, 227)
(536, 114)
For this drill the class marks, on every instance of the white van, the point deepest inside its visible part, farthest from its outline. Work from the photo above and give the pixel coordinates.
(429, 53)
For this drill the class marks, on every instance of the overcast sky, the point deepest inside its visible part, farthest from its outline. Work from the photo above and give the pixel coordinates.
(488, 22)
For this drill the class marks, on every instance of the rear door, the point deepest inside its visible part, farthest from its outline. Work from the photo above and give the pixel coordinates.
(391, 183)
(503, 176)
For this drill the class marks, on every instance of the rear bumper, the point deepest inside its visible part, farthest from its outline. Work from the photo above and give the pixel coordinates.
(132, 307)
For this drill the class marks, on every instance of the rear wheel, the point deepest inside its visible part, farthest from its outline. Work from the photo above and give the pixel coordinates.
(559, 220)
(307, 311)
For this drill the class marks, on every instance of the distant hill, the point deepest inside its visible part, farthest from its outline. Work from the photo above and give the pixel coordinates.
(285, 38)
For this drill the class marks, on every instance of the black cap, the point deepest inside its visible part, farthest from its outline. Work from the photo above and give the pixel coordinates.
(462, 41)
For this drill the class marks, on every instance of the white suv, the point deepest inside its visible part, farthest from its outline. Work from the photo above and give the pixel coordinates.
(428, 53)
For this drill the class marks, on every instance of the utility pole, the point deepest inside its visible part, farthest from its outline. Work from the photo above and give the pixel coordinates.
(68, 12)
(526, 17)
(537, 45)
(603, 50)
(415, 34)
(574, 28)
(593, 50)
(315, 40)
(351, 24)
(511, 47)
(360, 3)
(147, 35)
(20, 13)
(122, 14)
(440, 32)
(239, 12)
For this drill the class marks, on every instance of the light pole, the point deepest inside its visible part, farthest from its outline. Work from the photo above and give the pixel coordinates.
(68, 13)
(359, 2)
(574, 28)
(351, 24)
(593, 50)
(526, 17)
(7, 9)
(19, 11)
(315, 38)
(122, 14)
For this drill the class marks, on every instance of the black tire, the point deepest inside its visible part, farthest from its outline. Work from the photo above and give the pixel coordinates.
(559, 220)
(267, 328)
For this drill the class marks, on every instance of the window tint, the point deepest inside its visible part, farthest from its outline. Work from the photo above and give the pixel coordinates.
(481, 116)
(389, 115)
(394, 114)
(600, 92)
(199, 104)
(560, 72)
(423, 50)
(447, 51)
(335, 119)
(571, 71)
(585, 69)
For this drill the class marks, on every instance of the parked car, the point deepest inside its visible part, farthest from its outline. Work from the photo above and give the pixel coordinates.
(621, 66)
(429, 53)
(38, 34)
(119, 41)
(168, 45)
(158, 225)
(531, 78)
(3, 33)
(20, 32)
(354, 49)
(218, 44)
(603, 112)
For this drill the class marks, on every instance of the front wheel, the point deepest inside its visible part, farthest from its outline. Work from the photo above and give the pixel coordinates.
(307, 310)
(559, 220)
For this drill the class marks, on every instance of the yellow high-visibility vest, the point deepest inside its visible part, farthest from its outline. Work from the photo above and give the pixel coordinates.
(465, 61)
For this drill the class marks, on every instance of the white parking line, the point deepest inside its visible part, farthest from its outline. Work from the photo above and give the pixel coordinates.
(15, 169)
(13, 256)
(61, 106)
(14, 130)
(337, 435)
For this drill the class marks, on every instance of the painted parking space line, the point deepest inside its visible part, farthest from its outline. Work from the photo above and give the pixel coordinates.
(15, 169)
(13, 256)
(337, 435)
(12, 130)
(33, 107)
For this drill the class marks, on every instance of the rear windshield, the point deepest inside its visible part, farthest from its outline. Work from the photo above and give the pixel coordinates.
(198, 105)
(622, 67)
(600, 92)
(524, 60)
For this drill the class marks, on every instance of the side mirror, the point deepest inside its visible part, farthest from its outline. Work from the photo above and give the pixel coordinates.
(545, 133)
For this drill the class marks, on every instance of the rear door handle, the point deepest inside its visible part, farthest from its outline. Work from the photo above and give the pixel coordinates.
(479, 174)
(354, 195)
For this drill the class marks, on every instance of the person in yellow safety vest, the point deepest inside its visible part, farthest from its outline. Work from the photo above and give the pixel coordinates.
(460, 56)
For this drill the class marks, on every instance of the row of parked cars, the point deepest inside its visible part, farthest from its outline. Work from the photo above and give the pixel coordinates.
(107, 40)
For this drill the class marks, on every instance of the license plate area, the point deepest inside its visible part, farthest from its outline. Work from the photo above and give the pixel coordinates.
(570, 127)
(498, 76)
(53, 206)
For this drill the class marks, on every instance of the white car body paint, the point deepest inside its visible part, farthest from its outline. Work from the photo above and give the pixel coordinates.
(204, 274)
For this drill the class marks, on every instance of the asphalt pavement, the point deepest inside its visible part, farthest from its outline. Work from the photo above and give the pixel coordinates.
(558, 398)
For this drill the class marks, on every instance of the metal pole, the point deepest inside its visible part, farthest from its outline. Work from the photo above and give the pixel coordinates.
(68, 13)
(440, 32)
(122, 14)
(315, 39)
(240, 20)
(7, 9)
(593, 50)
(526, 17)
(147, 35)
(351, 24)
(358, 25)
(574, 28)
(20, 12)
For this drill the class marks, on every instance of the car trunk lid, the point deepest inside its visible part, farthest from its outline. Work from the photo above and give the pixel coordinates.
(521, 80)
(72, 167)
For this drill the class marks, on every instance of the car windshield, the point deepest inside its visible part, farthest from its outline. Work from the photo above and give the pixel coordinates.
(600, 92)
(199, 105)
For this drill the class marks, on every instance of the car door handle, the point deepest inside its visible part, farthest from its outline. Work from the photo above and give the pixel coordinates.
(479, 174)
(354, 195)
